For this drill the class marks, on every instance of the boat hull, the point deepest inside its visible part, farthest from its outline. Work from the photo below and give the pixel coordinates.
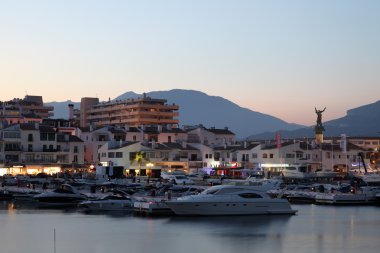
(230, 208)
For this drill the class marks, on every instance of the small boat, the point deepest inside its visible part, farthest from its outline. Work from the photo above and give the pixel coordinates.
(366, 195)
(65, 196)
(301, 198)
(151, 206)
(297, 171)
(115, 201)
(230, 200)
(371, 179)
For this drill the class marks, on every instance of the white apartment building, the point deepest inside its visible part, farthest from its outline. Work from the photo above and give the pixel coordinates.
(156, 157)
(34, 148)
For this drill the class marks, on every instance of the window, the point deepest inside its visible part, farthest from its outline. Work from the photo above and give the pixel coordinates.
(111, 155)
(254, 155)
(51, 136)
(30, 137)
(75, 149)
(169, 139)
(289, 155)
(270, 155)
(265, 155)
(30, 147)
(119, 155)
(43, 136)
(75, 159)
(250, 195)
(206, 156)
(134, 138)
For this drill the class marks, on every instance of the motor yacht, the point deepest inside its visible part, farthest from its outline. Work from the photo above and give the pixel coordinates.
(365, 195)
(65, 196)
(230, 200)
(116, 201)
(297, 171)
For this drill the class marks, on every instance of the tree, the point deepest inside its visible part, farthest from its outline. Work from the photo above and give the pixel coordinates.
(140, 158)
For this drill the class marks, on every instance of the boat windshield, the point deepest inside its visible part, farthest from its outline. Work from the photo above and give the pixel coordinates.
(210, 191)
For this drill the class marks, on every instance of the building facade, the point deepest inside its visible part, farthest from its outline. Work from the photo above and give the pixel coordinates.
(34, 148)
(130, 112)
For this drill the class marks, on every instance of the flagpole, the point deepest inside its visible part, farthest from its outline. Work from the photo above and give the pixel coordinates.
(54, 242)
(332, 153)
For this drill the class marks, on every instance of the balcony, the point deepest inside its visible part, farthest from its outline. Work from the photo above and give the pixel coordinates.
(42, 161)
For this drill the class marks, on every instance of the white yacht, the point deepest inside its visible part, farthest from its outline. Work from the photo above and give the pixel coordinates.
(364, 196)
(115, 201)
(230, 200)
(297, 171)
(65, 196)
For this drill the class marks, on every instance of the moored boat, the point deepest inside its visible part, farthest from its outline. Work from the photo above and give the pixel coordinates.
(230, 200)
(115, 201)
(365, 196)
(65, 196)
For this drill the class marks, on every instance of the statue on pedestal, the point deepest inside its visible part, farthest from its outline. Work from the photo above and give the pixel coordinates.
(319, 127)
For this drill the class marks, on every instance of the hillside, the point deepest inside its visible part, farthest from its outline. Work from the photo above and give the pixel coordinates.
(361, 121)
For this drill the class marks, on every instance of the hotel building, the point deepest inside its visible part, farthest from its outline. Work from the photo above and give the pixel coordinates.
(130, 112)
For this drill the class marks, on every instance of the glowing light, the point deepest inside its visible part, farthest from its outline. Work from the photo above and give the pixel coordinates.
(266, 165)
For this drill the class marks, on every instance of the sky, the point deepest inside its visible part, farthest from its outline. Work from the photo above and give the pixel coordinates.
(281, 58)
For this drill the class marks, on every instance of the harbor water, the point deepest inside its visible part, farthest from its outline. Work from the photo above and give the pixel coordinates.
(314, 229)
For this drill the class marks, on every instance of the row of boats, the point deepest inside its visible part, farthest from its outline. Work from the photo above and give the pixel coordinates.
(215, 200)
(248, 197)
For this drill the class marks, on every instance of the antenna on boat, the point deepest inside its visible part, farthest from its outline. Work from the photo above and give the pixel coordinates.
(54, 242)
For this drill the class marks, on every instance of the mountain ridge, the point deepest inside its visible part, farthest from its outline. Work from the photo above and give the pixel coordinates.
(197, 107)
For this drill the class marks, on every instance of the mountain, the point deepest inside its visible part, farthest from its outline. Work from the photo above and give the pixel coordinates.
(196, 107)
(361, 121)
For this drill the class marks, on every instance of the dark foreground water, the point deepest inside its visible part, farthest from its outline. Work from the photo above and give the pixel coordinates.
(314, 229)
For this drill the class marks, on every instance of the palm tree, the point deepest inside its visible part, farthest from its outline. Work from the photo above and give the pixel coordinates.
(140, 158)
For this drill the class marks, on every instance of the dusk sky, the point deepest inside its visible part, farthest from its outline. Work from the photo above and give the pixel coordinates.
(281, 58)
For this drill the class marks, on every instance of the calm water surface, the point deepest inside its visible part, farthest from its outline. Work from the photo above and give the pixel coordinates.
(313, 229)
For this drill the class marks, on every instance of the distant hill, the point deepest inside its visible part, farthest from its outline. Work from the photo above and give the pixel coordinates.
(361, 121)
(211, 111)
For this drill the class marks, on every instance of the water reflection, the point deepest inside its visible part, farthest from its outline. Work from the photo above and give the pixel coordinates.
(316, 229)
(245, 232)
